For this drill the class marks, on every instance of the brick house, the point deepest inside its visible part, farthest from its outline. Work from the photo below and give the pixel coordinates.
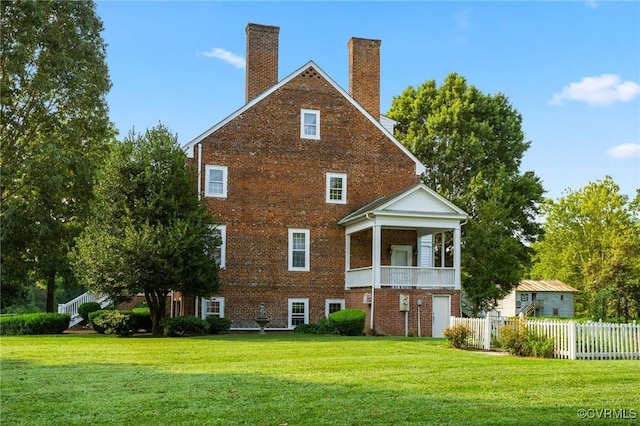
(319, 207)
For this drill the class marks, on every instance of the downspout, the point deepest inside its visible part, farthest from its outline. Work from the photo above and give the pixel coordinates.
(199, 170)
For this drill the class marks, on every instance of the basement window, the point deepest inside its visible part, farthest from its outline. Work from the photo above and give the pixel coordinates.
(298, 312)
(333, 305)
(309, 124)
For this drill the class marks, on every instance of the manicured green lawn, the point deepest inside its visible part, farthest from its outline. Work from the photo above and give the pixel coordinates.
(251, 379)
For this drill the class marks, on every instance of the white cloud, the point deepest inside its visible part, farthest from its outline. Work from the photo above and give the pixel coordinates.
(225, 55)
(593, 4)
(598, 91)
(626, 150)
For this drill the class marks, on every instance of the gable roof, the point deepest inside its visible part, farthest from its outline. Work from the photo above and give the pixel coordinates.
(544, 285)
(188, 147)
(418, 200)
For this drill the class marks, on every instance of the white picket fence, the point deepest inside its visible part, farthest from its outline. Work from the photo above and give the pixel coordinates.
(571, 340)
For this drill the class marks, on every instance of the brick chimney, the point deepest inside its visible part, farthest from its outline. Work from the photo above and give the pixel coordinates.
(364, 73)
(262, 59)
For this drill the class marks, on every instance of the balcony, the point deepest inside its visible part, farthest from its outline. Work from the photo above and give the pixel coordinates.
(402, 277)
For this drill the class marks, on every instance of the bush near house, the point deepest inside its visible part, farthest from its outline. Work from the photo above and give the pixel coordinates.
(86, 308)
(324, 326)
(216, 325)
(180, 326)
(39, 323)
(348, 322)
(517, 339)
(458, 336)
(115, 322)
(141, 318)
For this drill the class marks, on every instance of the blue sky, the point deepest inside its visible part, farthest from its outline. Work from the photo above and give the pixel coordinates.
(572, 69)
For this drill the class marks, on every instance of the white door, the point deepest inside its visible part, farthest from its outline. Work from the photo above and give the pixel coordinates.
(441, 312)
(401, 256)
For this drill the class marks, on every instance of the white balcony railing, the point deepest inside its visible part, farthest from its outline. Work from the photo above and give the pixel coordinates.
(403, 277)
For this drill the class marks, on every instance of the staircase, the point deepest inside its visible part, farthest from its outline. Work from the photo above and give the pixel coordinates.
(530, 309)
(71, 307)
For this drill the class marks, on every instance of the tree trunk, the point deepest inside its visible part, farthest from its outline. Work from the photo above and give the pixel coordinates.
(157, 305)
(51, 291)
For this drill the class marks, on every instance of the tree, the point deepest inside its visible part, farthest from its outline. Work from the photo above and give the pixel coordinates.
(54, 126)
(149, 231)
(472, 145)
(592, 242)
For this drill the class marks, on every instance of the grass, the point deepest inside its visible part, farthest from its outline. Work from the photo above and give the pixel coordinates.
(251, 379)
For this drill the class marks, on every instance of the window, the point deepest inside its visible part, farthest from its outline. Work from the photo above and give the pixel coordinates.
(524, 297)
(298, 312)
(336, 188)
(219, 254)
(215, 181)
(518, 305)
(298, 249)
(212, 307)
(310, 124)
(562, 297)
(556, 312)
(333, 305)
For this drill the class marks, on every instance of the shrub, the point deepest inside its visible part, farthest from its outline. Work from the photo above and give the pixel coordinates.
(86, 308)
(348, 322)
(513, 338)
(216, 325)
(458, 336)
(40, 323)
(114, 322)
(540, 346)
(141, 319)
(92, 316)
(324, 326)
(179, 326)
(517, 339)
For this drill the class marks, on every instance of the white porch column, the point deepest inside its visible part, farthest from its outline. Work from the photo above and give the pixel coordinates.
(456, 256)
(443, 248)
(376, 254)
(347, 257)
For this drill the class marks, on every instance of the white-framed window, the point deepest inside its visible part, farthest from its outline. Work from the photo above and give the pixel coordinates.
(212, 307)
(215, 184)
(309, 124)
(298, 311)
(298, 249)
(333, 305)
(220, 253)
(336, 188)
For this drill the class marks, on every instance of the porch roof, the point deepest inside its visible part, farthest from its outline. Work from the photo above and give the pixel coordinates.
(417, 201)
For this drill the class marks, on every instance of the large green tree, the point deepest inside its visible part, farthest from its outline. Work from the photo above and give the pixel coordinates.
(149, 232)
(472, 145)
(54, 125)
(592, 242)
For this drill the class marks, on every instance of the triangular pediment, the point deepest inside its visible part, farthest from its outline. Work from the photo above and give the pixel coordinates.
(190, 146)
(419, 200)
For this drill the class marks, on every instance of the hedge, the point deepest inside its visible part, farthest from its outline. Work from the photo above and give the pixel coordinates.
(348, 322)
(40, 323)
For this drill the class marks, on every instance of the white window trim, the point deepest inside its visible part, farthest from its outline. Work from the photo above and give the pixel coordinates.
(306, 249)
(207, 189)
(327, 302)
(304, 300)
(317, 114)
(342, 176)
(205, 300)
(223, 244)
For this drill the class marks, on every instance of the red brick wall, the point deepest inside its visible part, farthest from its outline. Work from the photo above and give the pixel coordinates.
(276, 181)
(391, 321)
